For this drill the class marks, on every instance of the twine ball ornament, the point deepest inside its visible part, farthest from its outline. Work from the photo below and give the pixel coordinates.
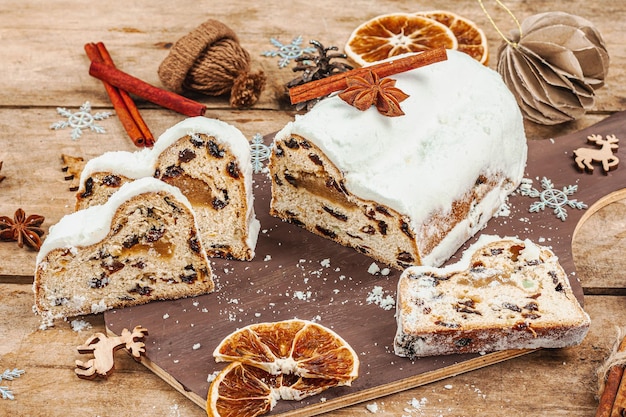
(210, 60)
(553, 64)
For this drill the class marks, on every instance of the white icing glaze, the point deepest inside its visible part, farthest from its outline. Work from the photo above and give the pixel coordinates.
(89, 226)
(464, 263)
(223, 132)
(460, 121)
(129, 164)
(140, 164)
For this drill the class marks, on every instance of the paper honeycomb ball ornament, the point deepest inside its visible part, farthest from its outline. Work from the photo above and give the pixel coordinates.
(554, 67)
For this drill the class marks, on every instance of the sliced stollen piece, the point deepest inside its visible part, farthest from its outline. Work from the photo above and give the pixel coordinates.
(504, 293)
(407, 190)
(209, 160)
(141, 245)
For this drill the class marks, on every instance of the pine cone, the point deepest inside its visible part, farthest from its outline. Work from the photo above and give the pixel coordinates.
(554, 68)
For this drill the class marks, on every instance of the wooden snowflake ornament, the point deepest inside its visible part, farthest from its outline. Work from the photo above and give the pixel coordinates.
(584, 157)
(553, 64)
(104, 348)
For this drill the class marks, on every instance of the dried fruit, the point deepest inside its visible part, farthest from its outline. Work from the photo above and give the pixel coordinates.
(470, 37)
(396, 34)
(291, 359)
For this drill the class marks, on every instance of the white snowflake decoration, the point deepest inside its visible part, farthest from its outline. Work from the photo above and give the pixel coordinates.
(9, 375)
(289, 51)
(80, 120)
(551, 197)
(259, 151)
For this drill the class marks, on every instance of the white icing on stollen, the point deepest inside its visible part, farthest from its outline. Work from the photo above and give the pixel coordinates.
(464, 263)
(142, 163)
(460, 121)
(89, 226)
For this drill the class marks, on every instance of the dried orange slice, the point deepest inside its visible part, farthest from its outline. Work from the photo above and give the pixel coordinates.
(295, 346)
(396, 34)
(246, 391)
(288, 360)
(470, 37)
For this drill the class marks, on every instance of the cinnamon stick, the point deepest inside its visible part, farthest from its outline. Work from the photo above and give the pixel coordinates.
(120, 106)
(611, 387)
(134, 85)
(130, 104)
(619, 405)
(337, 82)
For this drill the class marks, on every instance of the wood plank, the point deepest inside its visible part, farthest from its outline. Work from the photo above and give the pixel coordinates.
(44, 67)
(599, 247)
(560, 382)
(44, 63)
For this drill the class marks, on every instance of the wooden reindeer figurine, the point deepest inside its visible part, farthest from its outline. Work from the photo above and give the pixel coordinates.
(103, 349)
(585, 156)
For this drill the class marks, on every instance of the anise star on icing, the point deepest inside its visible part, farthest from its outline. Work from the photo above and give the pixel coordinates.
(22, 229)
(369, 90)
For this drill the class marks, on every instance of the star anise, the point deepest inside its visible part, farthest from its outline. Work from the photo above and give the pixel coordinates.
(369, 90)
(22, 229)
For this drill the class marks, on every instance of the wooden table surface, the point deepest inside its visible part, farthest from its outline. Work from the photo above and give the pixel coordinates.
(43, 67)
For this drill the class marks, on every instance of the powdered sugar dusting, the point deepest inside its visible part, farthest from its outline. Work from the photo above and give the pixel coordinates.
(80, 325)
(378, 297)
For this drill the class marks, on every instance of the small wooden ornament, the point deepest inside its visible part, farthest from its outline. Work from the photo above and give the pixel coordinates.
(584, 157)
(104, 348)
(72, 166)
(553, 64)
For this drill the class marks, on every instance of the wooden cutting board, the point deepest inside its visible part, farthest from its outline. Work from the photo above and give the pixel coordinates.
(298, 274)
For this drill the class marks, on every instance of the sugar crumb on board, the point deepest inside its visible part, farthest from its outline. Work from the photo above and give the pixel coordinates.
(372, 407)
(211, 377)
(374, 269)
(80, 325)
(377, 296)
